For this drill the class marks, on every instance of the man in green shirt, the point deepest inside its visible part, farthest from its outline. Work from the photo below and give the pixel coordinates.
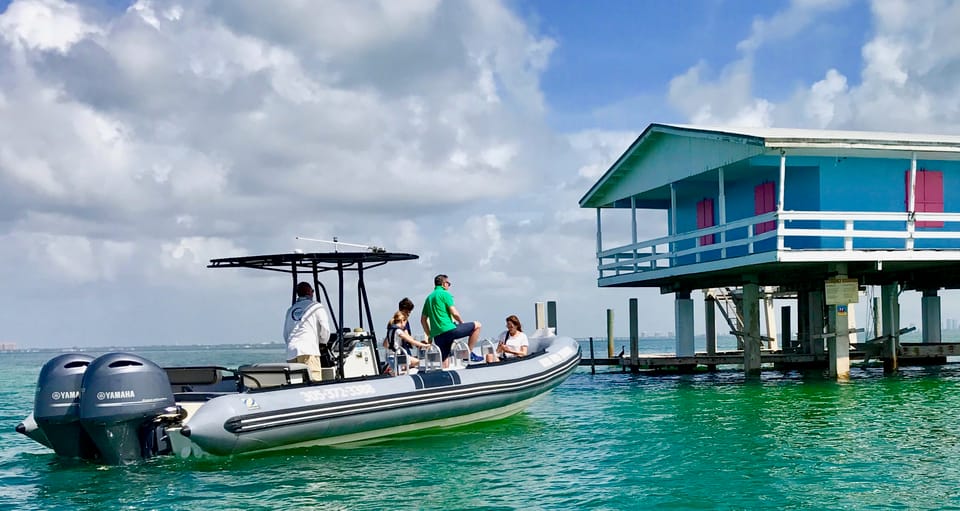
(441, 321)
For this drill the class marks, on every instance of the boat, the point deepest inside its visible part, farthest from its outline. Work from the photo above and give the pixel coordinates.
(121, 408)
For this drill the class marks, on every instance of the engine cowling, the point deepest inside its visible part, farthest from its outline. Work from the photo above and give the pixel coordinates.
(56, 406)
(124, 397)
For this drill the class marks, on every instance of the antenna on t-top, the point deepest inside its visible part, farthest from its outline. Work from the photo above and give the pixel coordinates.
(336, 244)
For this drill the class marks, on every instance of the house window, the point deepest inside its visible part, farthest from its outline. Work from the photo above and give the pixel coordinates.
(763, 202)
(705, 219)
(929, 195)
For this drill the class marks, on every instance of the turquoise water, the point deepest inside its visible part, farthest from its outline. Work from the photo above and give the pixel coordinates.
(604, 441)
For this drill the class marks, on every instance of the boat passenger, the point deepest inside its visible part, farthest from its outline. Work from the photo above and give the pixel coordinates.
(513, 342)
(406, 306)
(442, 323)
(398, 339)
(305, 328)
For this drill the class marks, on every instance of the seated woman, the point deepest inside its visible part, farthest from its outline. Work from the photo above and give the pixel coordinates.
(399, 339)
(513, 342)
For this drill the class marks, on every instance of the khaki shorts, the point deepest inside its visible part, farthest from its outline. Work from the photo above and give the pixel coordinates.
(313, 364)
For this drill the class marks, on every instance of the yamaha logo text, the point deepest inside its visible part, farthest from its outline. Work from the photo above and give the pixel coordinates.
(116, 394)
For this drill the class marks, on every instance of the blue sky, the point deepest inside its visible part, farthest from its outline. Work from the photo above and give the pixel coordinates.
(138, 140)
(616, 52)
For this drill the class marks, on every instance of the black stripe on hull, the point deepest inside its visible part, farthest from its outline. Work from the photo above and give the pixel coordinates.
(436, 379)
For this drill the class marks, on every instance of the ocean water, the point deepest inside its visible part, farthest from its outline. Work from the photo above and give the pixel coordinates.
(607, 441)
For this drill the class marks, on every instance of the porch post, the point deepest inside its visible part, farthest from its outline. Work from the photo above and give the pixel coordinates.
(911, 201)
(633, 225)
(783, 175)
(722, 199)
(599, 246)
(673, 221)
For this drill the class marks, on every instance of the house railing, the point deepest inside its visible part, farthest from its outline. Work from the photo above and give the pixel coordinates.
(794, 230)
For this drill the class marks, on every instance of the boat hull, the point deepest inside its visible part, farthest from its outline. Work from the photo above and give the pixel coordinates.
(220, 415)
(361, 410)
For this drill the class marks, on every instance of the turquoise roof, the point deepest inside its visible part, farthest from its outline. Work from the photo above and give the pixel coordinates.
(666, 153)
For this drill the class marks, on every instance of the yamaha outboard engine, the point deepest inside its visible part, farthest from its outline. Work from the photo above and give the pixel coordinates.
(125, 399)
(56, 406)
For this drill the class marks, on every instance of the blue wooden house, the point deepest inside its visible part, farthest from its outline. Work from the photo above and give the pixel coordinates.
(807, 211)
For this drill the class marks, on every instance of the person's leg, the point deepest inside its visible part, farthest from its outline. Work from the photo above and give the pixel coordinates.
(474, 335)
(444, 341)
(313, 365)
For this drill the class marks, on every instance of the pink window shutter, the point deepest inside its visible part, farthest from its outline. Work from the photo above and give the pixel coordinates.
(763, 202)
(705, 219)
(929, 195)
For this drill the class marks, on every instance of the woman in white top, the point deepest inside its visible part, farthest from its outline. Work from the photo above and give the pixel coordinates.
(513, 342)
(397, 335)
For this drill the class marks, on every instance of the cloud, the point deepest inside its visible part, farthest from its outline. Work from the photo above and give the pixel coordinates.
(909, 75)
(725, 100)
(137, 144)
(43, 25)
(797, 17)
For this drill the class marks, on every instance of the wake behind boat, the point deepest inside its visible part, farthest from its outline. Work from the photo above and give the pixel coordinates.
(121, 408)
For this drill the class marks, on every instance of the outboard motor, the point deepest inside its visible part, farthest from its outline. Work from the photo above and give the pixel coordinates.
(56, 406)
(125, 399)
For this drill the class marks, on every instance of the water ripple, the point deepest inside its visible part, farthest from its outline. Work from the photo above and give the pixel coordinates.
(608, 441)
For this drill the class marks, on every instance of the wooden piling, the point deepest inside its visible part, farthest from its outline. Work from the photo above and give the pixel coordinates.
(610, 333)
(552, 315)
(785, 330)
(593, 359)
(634, 335)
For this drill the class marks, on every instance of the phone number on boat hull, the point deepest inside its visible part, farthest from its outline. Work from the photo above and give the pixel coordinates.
(346, 391)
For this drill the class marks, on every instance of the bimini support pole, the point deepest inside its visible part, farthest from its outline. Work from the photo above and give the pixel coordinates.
(340, 333)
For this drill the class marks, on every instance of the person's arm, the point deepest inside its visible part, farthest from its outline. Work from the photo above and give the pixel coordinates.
(323, 325)
(409, 338)
(522, 352)
(425, 323)
(455, 314)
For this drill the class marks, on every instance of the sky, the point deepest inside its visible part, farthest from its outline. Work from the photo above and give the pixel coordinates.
(139, 140)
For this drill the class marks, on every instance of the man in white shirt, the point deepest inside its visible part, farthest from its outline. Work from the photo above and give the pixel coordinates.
(306, 327)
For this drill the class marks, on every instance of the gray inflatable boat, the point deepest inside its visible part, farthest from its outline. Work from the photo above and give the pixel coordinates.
(121, 408)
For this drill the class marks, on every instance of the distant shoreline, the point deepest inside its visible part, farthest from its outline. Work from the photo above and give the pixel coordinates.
(152, 347)
(911, 337)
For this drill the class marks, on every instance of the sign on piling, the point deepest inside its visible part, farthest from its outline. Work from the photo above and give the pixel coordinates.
(842, 291)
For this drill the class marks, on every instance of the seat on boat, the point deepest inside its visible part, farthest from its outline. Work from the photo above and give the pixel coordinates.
(193, 375)
(259, 376)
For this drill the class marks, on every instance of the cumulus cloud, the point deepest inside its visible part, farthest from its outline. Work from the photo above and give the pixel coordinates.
(725, 100)
(137, 144)
(798, 16)
(907, 81)
(909, 76)
(44, 25)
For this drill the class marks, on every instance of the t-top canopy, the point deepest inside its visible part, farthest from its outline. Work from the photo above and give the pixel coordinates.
(306, 262)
